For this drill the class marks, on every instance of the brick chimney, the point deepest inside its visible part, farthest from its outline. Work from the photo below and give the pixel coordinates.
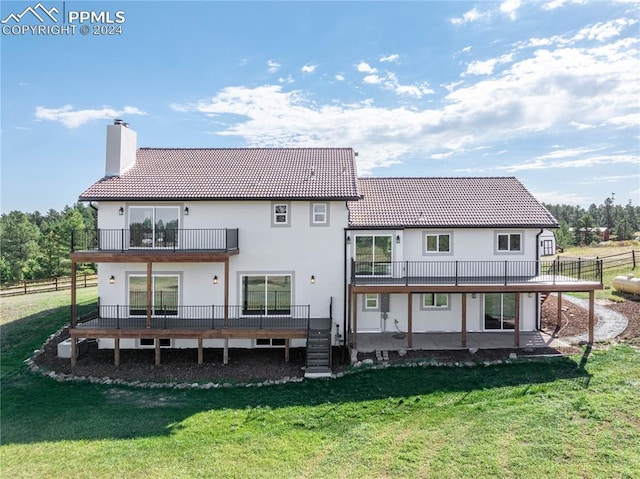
(121, 148)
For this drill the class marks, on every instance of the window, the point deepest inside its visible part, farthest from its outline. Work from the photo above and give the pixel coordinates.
(164, 295)
(280, 214)
(153, 227)
(499, 311)
(151, 343)
(370, 301)
(270, 342)
(437, 243)
(509, 242)
(435, 300)
(266, 294)
(319, 214)
(373, 255)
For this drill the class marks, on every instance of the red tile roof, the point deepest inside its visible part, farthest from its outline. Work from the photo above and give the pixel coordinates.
(447, 202)
(233, 173)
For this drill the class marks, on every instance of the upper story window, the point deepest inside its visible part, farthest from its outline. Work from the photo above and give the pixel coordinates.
(509, 242)
(153, 227)
(280, 214)
(374, 254)
(437, 243)
(319, 214)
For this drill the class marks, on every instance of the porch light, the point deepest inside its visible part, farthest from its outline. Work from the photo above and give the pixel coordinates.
(186, 211)
(112, 280)
(313, 279)
(215, 279)
(348, 239)
(473, 295)
(398, 239)
(121, 211)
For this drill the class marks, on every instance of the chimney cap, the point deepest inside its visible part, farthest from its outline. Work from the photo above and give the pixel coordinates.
(117, 121)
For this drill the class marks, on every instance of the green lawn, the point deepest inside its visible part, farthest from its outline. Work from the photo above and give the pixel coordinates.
(561, 418)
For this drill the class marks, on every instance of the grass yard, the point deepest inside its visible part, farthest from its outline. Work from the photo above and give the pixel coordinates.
(560, 418)
(607, 249)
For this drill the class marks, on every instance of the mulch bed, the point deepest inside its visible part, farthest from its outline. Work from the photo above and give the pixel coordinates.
(254, 365)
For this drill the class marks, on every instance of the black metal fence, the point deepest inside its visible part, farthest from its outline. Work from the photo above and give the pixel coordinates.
(166, 239)
(476, 272)
(196, 317)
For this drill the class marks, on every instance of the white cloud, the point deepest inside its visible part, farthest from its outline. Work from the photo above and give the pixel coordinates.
(466, 49)
(309, 68)
(390, 58)
(74, 118)
(273, 66)
(486, 67)
(553, 4)
(630, 120)
(575, 163)
(560, 197)
(556, 91)
(472, 15)
(510, 8)
(364, 67)
(288, 79)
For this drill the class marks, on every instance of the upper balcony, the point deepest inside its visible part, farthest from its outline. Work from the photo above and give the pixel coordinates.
(107, 244)
(468, 274)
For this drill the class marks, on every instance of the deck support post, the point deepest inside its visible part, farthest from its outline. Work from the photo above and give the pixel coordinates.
(149, 272)
(74, 350)
(463, 326)
(354, 308)
(592, 297)
(225, 352)
(559, 315)
(116, 351)
(286, 350)
(73, 295)
(200, 351)
(516, 331)
(157, 341)
(226, 292)
(410, 320)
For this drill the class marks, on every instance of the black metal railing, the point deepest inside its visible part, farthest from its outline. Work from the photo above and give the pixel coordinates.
(456, 273)
(197, 317)
(160, 239)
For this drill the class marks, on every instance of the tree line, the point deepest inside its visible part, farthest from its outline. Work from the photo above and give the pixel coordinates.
(579, 226)
(36, 246)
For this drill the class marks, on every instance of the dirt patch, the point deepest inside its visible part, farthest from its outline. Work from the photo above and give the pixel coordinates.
(575, 320)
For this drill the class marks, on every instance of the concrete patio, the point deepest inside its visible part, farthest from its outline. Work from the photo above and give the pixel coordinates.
(369, 342)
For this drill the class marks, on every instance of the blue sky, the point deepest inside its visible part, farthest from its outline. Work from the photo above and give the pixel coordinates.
(547, 91)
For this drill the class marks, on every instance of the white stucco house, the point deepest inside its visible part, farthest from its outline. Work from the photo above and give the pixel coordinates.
(287, 247)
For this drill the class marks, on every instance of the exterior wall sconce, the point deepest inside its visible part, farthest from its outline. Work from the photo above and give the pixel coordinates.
(398, 239)
(121, 211)
(186, 211)
(313, 279)
(530, 295)
(348, 239)
(112, 279)
(215, 279)
(473, 295)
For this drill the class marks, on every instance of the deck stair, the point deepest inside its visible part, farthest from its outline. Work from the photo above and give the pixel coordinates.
(318, 348)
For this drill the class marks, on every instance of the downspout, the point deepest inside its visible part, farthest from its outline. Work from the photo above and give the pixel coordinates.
(538, 307)
(345, 292)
